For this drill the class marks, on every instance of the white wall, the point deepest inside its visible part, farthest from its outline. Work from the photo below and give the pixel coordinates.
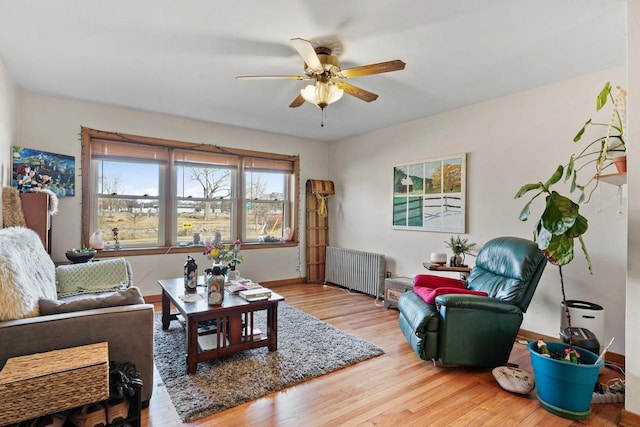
(8, 94)
(632, 399)
(54, 124)
(510, 141)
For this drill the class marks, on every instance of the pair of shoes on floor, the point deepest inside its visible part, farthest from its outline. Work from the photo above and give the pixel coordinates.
(93, 415)
(99, 415)
(117, 409)
(613, 392)
(53, 420)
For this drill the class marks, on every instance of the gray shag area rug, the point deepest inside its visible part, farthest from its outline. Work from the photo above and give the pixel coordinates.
(307, 348)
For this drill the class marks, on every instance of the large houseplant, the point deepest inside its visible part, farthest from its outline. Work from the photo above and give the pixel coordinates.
(607, 146)
(557, 231)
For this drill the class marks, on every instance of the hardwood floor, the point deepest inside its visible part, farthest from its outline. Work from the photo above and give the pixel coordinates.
(395, 389)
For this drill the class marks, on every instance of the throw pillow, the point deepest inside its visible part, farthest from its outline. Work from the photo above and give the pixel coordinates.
(429, 295)
(12, 214)
(27, 273)
(432, 281)
(514, 380)
(93, 277)
(129, 296)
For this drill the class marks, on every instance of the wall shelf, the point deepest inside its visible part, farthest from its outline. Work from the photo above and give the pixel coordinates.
(614, 178)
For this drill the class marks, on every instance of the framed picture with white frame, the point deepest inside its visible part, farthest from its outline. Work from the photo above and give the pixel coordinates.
(430, 195)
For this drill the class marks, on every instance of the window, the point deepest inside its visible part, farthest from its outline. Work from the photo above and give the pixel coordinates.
(161, 193)
(267, 184)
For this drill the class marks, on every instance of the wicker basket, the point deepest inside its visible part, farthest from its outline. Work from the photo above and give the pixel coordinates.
(45, 383)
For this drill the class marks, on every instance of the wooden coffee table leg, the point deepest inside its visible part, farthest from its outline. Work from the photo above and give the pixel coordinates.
(272, 326)
(235, 329)
(192, 346)
(166, 310)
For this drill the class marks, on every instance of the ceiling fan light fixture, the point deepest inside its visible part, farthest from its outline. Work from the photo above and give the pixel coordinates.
(322, 94)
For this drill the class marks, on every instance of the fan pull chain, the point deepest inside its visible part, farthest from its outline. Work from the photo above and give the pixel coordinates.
(322, 116)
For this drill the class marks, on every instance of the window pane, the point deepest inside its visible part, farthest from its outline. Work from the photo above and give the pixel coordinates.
(204, 218)
(204, 201)
(130, 178)
(265, 206)
(135, 219)
(203, 182)
(265, 185)
(264, 221)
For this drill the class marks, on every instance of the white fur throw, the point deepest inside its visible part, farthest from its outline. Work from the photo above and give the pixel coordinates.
(27, 273)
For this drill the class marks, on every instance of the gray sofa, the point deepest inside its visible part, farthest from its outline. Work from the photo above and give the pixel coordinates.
(82, 309)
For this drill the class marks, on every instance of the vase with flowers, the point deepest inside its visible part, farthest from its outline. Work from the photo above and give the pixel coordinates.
(226, 257)
(232, 259)
(216, 250)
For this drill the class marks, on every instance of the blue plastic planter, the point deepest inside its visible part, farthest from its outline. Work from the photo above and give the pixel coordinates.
(565, 389)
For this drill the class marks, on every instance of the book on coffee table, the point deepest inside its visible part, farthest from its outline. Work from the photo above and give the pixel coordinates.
(204, 327)
(256, 334)
(210, 342)
(257, 294)
(236, 286)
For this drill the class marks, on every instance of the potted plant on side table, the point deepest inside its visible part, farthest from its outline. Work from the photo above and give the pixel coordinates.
(565, 384)
(460, 246)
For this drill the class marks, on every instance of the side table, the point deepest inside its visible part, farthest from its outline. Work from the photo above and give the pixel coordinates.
(393, 288)
(464, 271)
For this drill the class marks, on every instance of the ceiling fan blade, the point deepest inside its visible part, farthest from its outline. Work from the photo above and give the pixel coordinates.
(308, 53)
(297, 102)
(276, 76)
(365, 70)
(352, 90)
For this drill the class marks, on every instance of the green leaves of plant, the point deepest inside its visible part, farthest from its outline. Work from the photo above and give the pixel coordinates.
(524, 214)
(603, 96)
(581, 131)
(554, 178)
(526, 188)
(560, 214)
(560, 250)
(559, 224)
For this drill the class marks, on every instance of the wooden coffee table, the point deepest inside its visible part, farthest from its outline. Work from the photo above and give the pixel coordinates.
(233, 322)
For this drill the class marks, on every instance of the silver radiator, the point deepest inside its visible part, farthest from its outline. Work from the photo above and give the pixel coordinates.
(356, 270)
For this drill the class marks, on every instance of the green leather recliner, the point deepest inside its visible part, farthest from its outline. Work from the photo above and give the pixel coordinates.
(472, 330)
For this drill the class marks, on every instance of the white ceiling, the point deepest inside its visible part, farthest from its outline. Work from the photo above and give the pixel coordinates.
(181, 57)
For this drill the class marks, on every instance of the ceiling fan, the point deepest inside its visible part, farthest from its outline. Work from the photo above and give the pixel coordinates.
(323, 67)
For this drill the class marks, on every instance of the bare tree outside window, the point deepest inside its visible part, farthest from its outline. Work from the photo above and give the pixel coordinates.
(213, 185)
(257, 188)
(110, 185)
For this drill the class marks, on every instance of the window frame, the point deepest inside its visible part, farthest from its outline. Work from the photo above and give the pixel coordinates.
(169, 194)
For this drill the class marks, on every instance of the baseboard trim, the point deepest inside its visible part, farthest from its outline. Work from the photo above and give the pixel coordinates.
(629, 419)
(153, 299)
(613, 358)
(293, 281)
